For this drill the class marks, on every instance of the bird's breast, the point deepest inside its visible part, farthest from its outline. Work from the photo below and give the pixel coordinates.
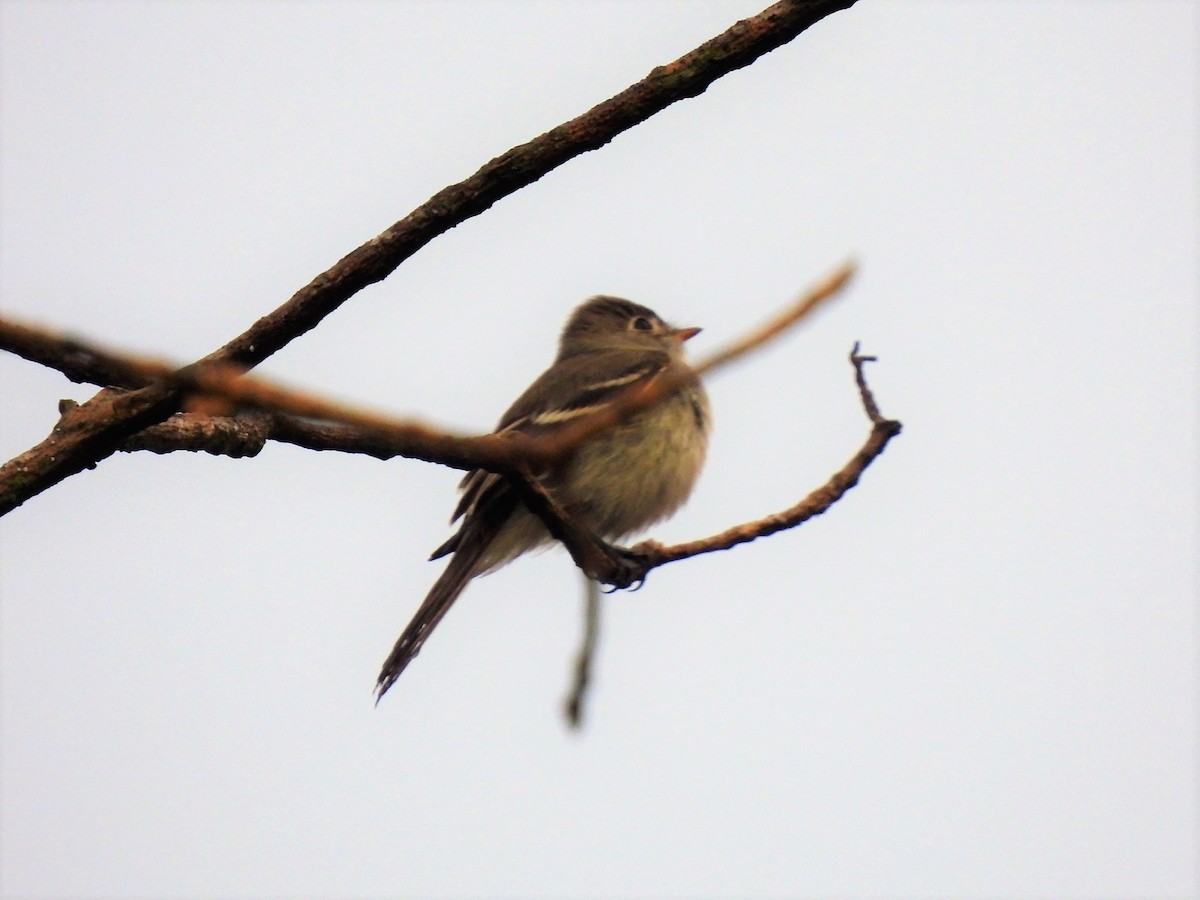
(641, 471)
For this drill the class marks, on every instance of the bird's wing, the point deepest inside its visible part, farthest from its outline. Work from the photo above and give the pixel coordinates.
(560, 395)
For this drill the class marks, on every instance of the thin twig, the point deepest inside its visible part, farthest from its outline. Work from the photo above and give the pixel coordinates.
(864, 392)
(652, 554)
(581, 672)
(817, 502)
(803, 307)
(545, 450)
(81, 361)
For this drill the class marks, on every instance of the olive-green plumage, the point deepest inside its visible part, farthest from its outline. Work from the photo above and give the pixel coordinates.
(617, 483)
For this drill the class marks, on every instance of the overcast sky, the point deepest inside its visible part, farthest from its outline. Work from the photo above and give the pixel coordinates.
(975, 676)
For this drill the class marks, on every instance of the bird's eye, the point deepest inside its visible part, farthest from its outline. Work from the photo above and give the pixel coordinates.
(641, 323)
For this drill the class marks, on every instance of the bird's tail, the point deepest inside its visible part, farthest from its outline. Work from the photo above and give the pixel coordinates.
(462, 568)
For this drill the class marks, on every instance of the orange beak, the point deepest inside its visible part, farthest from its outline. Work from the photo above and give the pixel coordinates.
(685, 334)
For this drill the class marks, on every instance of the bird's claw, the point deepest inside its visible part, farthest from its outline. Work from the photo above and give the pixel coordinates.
(628, 568)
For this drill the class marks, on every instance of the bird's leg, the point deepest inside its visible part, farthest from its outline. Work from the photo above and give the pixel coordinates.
(628, 566)
(618, 567)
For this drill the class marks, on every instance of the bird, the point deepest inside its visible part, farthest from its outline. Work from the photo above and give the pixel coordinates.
(616, 483)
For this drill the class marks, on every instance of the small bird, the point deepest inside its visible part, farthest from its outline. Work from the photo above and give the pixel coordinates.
(617, 483)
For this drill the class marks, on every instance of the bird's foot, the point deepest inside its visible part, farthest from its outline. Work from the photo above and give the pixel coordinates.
(628, 566)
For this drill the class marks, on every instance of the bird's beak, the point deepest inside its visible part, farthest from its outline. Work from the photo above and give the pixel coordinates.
(685, 334)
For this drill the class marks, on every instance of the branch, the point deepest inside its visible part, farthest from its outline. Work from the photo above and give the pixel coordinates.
(80, 360)
(650, 554)
(617, 566)
(582, 670)
(646, 395)
(98, 427)
(235, 436)
(817, 502)
(84, 362)
(688, 76)
(508, 453)
(622, 567)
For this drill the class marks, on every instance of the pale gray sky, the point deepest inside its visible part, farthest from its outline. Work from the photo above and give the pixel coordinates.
(976, 676)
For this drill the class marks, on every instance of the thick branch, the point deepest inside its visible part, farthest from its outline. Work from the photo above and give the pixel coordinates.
(84, 435)
(236, 436)
(98, 427)
(688, 76)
